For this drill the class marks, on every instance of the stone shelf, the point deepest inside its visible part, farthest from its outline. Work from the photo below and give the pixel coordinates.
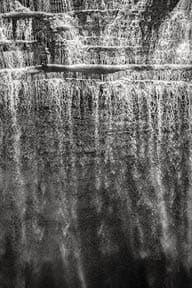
(97, 68)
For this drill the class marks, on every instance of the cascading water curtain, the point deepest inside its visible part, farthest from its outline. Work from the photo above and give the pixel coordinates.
(107, 167)
(94, 171)
(95, 174)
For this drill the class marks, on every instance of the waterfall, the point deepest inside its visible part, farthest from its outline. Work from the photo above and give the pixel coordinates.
(95, 172)
(63, 167)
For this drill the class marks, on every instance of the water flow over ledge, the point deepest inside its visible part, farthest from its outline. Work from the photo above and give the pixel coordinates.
(95, 175)
(97, 178)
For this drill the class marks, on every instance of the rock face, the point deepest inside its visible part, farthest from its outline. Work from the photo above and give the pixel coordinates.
(95, 170)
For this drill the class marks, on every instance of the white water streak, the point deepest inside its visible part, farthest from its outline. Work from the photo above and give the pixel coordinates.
(13, 90)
